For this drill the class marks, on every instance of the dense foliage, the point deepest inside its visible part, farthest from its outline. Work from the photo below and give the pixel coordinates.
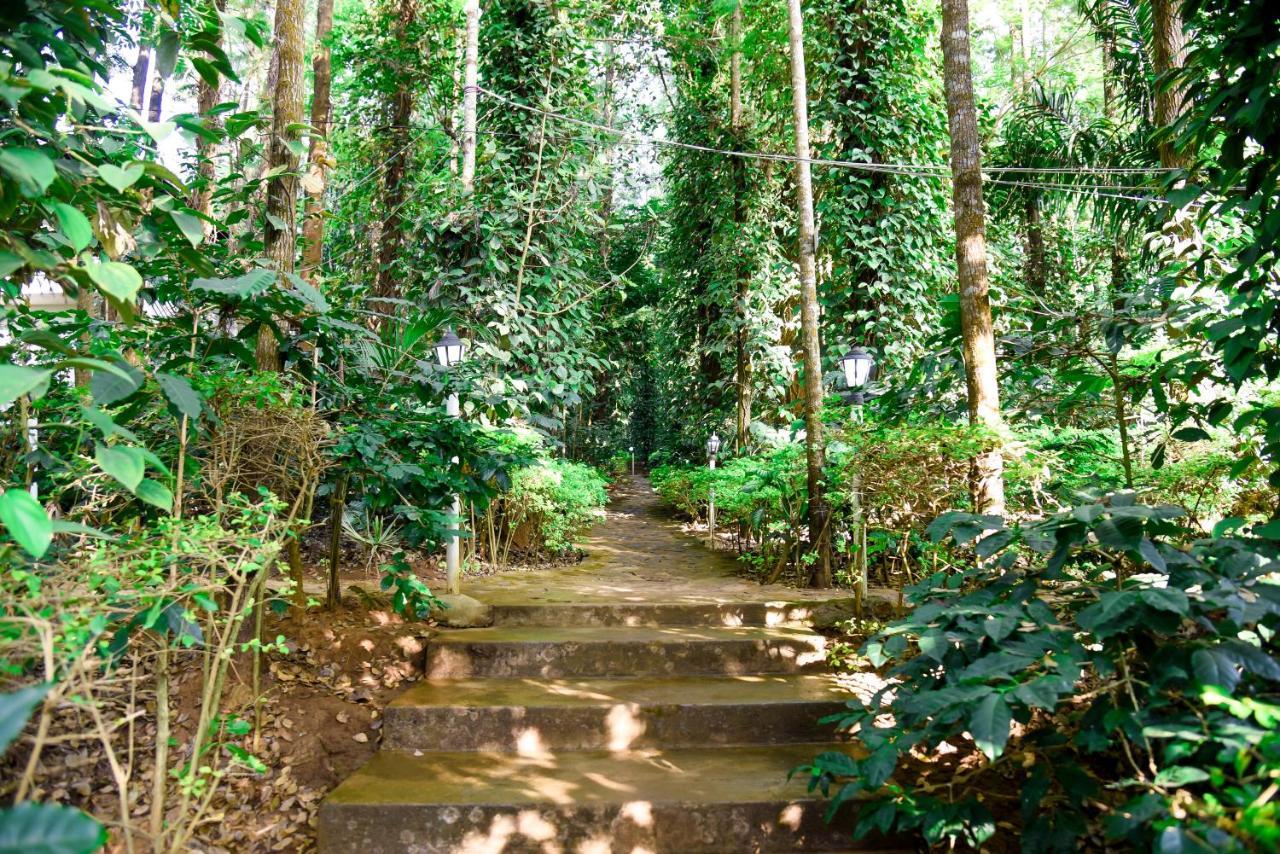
(218, 327)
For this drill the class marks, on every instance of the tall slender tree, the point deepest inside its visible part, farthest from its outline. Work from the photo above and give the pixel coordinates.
(400, 137)
(742, 357)
(470, 80)
(318, 156)
(815, 452)
(208, 94)
(287, 73)
(977, 329)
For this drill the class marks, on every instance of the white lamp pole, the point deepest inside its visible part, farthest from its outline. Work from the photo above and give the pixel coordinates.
(858, 366)
(449, 352)
(713, 447)
(632, 451)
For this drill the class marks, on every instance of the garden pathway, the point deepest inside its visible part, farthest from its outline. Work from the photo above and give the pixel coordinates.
(645, 699)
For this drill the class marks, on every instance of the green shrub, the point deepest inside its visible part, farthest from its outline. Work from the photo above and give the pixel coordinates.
(1119, 676)
(547, 505)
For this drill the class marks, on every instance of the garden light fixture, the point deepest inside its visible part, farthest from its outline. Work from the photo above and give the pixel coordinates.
(858, 365)
(449, 349)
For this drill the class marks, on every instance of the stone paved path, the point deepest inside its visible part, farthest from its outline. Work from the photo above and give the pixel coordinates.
(644, 700)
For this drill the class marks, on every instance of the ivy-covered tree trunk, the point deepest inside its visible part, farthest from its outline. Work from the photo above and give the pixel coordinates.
(318, 156)
(282, 164)
(742, 358)
(400, 138)
(208, 95)
(815, 452)
(1035, 262)
(971, 252)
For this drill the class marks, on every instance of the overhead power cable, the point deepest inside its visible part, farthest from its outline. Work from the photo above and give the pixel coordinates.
(917, 170)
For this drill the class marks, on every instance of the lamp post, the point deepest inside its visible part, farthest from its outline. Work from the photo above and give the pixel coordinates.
(713, 448)
(631, 449)
(858, 365)
(449, 351)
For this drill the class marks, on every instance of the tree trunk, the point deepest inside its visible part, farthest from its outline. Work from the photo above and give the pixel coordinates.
(819, 535)
(742, 378)
(386, 283)
(1168, 55)
(607, 150)
(971, 252)
(208, 95)
(155, 105)
(470, 80)
(138, 92)
(318, 156)
(282, 188)
(1035, 269)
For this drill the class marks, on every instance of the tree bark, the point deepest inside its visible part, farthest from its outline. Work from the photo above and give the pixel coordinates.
(155, 104)
(470, 80)
(971, 252)
(138, 92)
(208, 95)
(386, 283)
(1168, 55)
(282, 188)
(742, 378)
(819, 534)
(1035, 269)
(318, 156)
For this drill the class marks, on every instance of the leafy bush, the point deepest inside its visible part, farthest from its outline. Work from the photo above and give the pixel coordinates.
(548, 504)
(1125, 685)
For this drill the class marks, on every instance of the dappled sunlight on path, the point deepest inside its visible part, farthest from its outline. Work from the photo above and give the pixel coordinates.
(647, 699)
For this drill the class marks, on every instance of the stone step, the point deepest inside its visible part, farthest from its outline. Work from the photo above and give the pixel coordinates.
(614, 714)
(735, 799)
(557, 653)
(637, 614)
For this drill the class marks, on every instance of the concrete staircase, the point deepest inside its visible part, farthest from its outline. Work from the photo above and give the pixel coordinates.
(636, 727)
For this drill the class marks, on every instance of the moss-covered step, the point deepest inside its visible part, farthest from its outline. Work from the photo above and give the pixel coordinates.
(558, 652)
(690, 801)
(584, 714)
(642, 614)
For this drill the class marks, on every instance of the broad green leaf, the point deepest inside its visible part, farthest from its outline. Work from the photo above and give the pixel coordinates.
(108, 388)
(190, 226)
(74, 225)
(123, 463)
(1215, 666)
(15, 710)
(118, 178)
(310, 295)
(31, 828)
(9, 262)
(989, 725)
(26, 521)
(1113, 612)
(877, 767)
(156, 494)
(1181, 775)
(33, 170)
(184, 398)
(251, 283)
(115, 279)
(16, 380)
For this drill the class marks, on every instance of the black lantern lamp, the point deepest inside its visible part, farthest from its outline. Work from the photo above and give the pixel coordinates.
(713, 446)
(449, 348)
(859, 367)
